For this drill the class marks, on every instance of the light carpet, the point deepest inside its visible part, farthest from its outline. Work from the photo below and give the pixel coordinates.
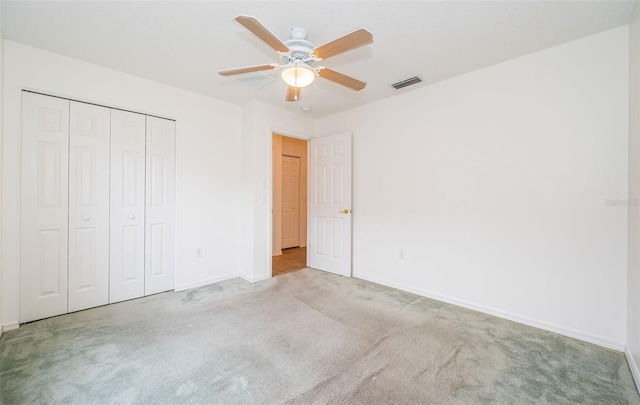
(304, 338)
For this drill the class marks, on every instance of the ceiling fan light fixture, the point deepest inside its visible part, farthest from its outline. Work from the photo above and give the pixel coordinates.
(298, 75)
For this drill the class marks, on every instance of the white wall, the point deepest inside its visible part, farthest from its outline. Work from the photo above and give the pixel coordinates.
(208, 160)
(259, 122)
(495, 183)
(633, 257)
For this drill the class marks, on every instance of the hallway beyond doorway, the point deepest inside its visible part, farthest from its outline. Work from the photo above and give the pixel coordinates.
(291, 260)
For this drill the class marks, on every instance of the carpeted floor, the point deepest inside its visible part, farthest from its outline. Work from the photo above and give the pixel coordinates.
(305, 337)
(290, 260)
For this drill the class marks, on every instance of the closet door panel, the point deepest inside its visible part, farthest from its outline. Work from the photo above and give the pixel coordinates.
(160, 205)
(44, 206)
(89, 150)
(127, 275)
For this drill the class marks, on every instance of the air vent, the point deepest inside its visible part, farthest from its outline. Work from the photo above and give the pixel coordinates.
(406, 82)
(256, 80)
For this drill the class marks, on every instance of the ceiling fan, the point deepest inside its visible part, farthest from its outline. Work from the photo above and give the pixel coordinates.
(299, 55)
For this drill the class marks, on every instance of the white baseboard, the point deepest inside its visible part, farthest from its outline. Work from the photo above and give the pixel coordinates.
(203, 283)
(633, 367)
(255, 279)
(619, 346)
(10, 326)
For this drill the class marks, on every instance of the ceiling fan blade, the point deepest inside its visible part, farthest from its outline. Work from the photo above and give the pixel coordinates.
(259, 30)
(339, 78)
(293, 93)
(343, 44)
(248, 69)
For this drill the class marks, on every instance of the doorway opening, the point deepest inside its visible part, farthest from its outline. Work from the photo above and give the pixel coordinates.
(291, 259)
(289, 224)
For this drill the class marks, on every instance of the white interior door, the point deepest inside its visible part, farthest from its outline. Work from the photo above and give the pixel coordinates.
(127, 231)
(89, 135)
(160, 204)
(44, 206)
(290, 201)
(329, 245)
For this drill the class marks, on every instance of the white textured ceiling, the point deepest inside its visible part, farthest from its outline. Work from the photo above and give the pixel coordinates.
(184, 43)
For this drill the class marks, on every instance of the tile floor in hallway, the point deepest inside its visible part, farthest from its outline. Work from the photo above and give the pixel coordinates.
(291, 260)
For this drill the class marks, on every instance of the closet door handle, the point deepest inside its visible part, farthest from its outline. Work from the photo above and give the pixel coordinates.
(86, 218)
(131, 216)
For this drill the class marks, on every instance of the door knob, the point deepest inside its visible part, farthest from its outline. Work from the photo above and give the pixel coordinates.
(131, 216)
(344, 211)
(86, 218)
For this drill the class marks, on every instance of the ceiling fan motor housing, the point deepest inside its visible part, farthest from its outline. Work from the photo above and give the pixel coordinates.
(300, 50)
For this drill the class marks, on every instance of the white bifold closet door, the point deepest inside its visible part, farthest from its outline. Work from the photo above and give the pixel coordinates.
(44, 206)
(127, 205)
(88, 206)
(97, 221)
(65, 211)
(160, 205)
(142, 205)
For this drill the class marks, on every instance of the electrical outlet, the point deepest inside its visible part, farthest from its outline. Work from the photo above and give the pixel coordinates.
(198, 252)
(401, 254)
